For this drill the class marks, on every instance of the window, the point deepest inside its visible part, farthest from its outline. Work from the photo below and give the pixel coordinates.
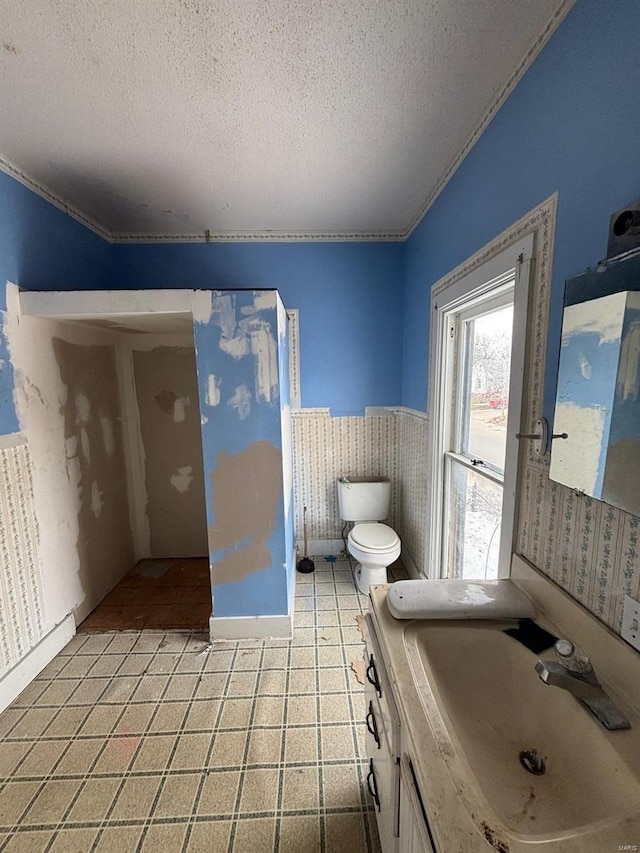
(475, 395)
(475, 445)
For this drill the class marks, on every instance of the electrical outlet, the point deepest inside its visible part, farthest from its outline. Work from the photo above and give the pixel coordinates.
(631, 622)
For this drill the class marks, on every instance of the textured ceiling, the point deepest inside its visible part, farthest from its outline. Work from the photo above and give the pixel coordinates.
(298, 117)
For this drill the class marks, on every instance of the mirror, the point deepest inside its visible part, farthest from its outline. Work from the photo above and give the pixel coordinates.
(598, 394)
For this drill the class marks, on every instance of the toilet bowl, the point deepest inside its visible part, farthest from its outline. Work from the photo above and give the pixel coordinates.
(374, 546)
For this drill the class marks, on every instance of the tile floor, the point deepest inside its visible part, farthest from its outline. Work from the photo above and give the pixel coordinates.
(151, 740)
(157, 594)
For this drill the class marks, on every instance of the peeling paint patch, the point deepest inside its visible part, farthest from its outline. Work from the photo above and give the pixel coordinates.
(202, 306)
(213, 390)
(247, 489)
(241, 401)
(27, 389)
(74, 471)
(262, 300)
(224, 314)
(107, 435)
(263, 346)
(84, 444)
(83, 408)
(96, 499)
(204, 420)
(233, 338)
(179, 406)
(252, 335)
(182, 479)
(236, 347)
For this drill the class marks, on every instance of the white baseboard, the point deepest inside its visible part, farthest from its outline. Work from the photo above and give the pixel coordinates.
(22, 674)
(251, 627)
(321, 547)
(292, 584)
(411, 567)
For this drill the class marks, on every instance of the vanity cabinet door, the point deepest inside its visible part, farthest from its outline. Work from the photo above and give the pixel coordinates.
(382, 745)
(377, 686)
(415, 834)
(382, 772)
(381, 782)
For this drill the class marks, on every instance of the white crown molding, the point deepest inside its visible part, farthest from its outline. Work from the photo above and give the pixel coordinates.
(520, 70)
(263, 236)
(305, 236)
(53, 198)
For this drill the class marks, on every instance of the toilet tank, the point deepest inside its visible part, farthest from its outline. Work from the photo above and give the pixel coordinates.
(364, 498)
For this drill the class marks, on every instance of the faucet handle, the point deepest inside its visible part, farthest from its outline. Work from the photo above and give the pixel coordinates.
(572, 657)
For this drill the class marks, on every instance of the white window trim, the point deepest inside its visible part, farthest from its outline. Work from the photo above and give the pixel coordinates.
(460, 292)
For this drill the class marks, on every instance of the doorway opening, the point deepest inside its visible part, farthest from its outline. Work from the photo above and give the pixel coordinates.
(115, 431)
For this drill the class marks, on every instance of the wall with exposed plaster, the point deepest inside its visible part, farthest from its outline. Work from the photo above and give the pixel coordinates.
(67, 400)
(238, 336)
(41, 248)
(169, 414)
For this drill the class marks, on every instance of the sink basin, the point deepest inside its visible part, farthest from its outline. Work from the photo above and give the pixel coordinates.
(546, 767)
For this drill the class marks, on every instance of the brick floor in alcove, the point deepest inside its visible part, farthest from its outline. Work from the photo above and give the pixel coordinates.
(158, 594)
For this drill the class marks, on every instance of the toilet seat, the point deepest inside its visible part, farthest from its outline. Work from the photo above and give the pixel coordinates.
(375, 538)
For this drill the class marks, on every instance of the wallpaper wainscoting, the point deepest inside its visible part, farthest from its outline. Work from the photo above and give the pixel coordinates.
(412, 483)
(21, 600)
(326, 448)
(393, 445)
(588, 548)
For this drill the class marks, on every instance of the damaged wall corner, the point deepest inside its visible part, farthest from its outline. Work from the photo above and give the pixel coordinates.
(244, 403)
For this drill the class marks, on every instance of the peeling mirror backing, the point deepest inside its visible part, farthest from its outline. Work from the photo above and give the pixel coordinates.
(598, 394)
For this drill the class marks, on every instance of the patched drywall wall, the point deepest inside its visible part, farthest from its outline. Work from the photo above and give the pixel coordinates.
(247, 492)
(68, 406)
(90, 408)
(237, 340)
(167, 397)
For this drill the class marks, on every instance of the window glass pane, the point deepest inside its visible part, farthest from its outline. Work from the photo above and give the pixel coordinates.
(485, 401)
(475, 509)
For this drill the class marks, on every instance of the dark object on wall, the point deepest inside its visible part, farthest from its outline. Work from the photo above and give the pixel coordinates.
(624, 230)
(305, 565)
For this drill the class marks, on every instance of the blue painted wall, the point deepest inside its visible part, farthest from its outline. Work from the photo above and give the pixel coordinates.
(571, 125)
(228, 432)
(42, 248)
(349, 296)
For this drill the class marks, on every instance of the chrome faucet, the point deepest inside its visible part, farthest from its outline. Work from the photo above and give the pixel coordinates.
(572, 671)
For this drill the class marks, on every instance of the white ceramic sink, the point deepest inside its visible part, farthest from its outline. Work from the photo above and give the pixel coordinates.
(491, 712)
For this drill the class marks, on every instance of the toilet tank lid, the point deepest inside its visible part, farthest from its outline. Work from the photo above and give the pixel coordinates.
(374, 536)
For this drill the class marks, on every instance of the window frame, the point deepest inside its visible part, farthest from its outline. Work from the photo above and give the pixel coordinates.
(460, 295)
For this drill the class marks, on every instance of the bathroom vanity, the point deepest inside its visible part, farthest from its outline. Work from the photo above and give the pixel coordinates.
(470, 751)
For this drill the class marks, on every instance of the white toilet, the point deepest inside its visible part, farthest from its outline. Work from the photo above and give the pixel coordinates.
(374, 545)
